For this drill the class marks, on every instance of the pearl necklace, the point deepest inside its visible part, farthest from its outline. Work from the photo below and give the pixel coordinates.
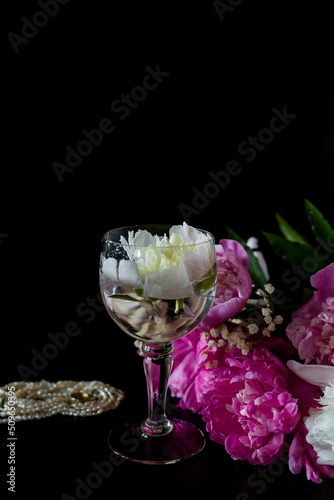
(35, 400)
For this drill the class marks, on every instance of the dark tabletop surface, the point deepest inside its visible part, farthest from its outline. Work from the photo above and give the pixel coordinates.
(218, 113)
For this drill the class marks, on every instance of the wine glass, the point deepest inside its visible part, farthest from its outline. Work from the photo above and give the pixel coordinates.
(157, 283)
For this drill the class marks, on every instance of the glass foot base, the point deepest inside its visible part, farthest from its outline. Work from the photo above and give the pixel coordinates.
(184, 441)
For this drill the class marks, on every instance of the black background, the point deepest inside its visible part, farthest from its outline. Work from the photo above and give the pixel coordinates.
(223, 78)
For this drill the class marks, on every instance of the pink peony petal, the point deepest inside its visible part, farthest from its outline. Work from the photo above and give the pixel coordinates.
(324, 279)
(234, 284)
(312, 328)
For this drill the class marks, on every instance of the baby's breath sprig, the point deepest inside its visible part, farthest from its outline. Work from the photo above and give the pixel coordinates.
(268, 320)
(247, 329)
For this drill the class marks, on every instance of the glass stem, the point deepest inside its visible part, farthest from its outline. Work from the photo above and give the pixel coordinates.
(157, 366)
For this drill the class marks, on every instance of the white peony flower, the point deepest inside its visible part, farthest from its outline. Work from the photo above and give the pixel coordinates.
(320, 422)
(162, 267)
(320, 426)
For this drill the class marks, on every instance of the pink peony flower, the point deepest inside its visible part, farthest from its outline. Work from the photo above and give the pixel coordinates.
(234, 284)
(193, 361)
(185, 370)
(191, 355)
(312, 328)
(247, 406)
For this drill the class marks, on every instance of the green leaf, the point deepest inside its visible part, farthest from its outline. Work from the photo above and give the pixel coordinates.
(255, 270)
(292, 252)
(289, 232)
(321, 228)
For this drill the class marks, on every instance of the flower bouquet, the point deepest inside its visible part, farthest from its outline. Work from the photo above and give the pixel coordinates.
(260, 367)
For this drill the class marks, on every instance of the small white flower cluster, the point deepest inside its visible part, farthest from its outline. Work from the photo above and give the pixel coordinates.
(245, 333)
(269, 288)
(266, 312)
(227, 336)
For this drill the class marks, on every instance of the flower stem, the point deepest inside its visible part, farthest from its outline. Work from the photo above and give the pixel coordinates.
(178, 305)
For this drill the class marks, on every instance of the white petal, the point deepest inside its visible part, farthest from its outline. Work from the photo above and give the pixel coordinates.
(128, 274)
(253, 244)
(320, 426)
(320, 375)
(196, 264)
(262, 263)
(109, 269)
(140, 239)
(169, 284)
(325, 456)
(189, 233)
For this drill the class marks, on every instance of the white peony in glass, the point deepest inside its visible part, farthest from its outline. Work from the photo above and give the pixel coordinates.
(157, 284)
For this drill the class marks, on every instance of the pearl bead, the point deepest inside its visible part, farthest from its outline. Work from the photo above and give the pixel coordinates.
(67, 397)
